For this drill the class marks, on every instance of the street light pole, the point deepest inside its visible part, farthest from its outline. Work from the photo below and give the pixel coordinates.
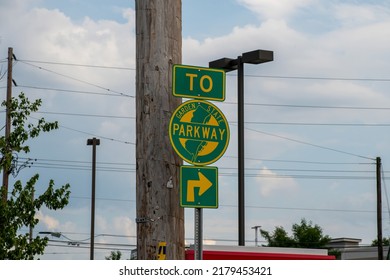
(256, 235)
(229, 64)
(241, 153)
(94, 142)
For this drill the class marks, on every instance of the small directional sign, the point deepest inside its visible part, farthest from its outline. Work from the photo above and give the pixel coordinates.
(198, 187)
(199, 82)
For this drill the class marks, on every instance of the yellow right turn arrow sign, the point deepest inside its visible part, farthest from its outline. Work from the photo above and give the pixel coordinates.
(199, 186)
(203, 184)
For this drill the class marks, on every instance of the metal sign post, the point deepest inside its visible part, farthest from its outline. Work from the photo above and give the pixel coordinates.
(198, 234)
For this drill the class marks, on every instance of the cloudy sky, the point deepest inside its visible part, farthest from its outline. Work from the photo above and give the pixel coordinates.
(315, 118)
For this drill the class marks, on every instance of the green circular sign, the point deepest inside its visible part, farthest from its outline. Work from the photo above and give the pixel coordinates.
(199, 132)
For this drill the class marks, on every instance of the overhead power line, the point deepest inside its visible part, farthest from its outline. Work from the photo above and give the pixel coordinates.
(246, 75)
(292, 173)
(311, 106)
(303, 209)
(316, 124)
(235, 206)
(84, 115)
(320, 78)
(93, 134)
(231, 122)
(256, 159)
(79, 65)
(302, 161)
(98, 136)
(309, 144)
(79, 162)
(74, 91)
(78, 80)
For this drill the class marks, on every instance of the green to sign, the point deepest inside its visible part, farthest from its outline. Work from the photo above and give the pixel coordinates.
(198, 187)
(199, 132)
(199, 82)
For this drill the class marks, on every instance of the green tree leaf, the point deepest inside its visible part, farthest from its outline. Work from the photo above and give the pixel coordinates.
(20, 209)
(305, 235)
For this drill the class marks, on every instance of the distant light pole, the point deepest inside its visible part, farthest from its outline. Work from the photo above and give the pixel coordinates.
(93, 142)
(256, 236)
(230, 64)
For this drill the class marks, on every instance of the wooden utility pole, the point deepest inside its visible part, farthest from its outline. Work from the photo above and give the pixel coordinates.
(7, 155)
(158, 46)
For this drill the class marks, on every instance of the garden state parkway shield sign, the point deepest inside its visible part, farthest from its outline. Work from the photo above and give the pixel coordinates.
(199, 132)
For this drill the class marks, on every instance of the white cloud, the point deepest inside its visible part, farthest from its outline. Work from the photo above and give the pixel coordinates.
(269, 184)
(274, 9)
(124, 225)
(101, 223)
(49, 222)
(355, 15)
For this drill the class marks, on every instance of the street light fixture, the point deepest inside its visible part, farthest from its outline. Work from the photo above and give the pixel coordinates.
(59, 234)
(52, 233)
(229, 64)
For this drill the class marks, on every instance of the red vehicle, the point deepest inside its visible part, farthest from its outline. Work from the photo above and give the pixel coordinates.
(259, 253)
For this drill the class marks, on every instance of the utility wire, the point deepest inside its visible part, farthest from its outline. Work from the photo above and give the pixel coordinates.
(81, 168)
(6, 71)
(226, 102)
(292, 176)
(303, 170)
(302, 209)
(319, 78)
(255, 159)
(231, 122)
(317, 124)
(85, 115)
(258, 131)
(75, 91)
(310, 106)
(131, 166)
(122, 169)
(223, 174)
(92, 134)
(98, 136)
(230, 74)
(246, 206)
(78, 80)
(310, 144)
(78, 161)
(84, 245)
(302, 161)
(78, 65)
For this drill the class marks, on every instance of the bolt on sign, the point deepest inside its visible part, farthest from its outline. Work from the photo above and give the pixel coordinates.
(198, 82)
(199, 132)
